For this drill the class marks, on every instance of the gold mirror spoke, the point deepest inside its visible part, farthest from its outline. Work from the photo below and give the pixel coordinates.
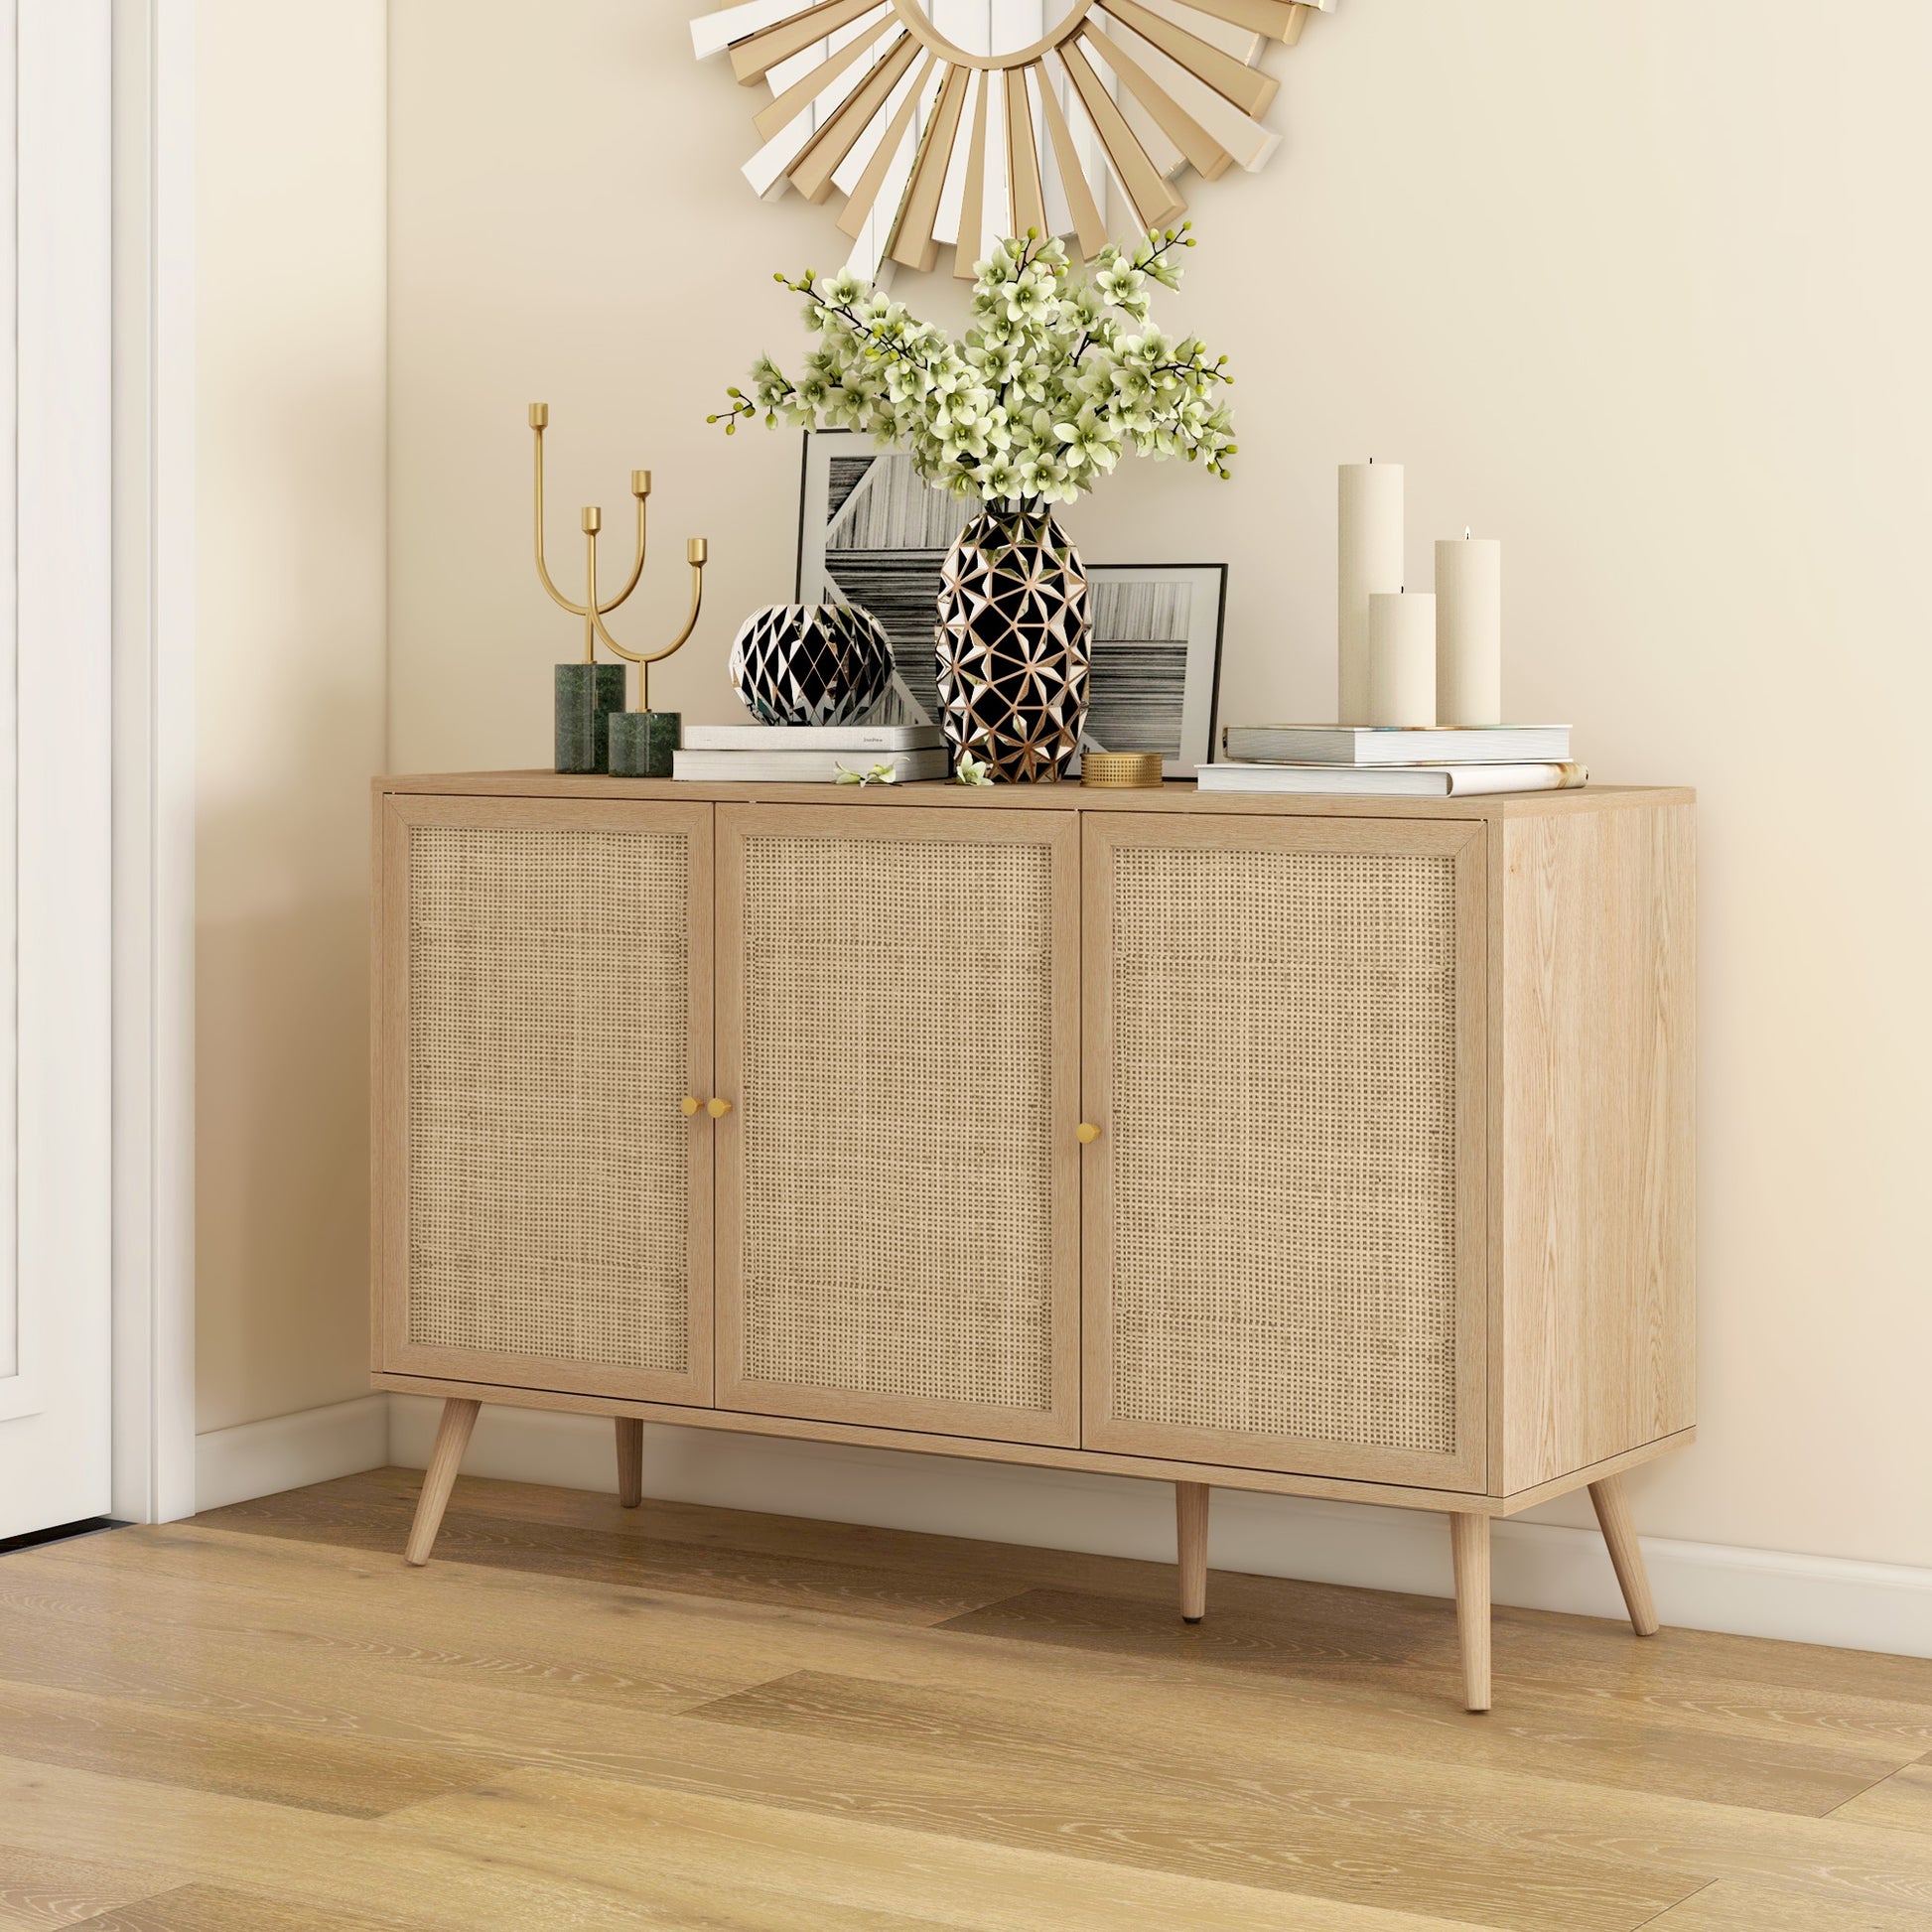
(781, 112)
(1205, 154)
(919, 22)
(1025, 200)
(1197, 97)
(1088, 228)
(865, 193)
(753, 58)
(1154, 200)
(811, 174)
(914, 245)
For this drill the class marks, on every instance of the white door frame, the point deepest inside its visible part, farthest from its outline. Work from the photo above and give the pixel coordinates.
(99, 1103)
(58, 1399)
(153, 747)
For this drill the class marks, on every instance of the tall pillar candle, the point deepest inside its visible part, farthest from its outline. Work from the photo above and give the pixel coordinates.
(1368, 518)
(1401, 658)
(1469, 630)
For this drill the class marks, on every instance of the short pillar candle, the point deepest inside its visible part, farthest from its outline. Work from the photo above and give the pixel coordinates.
(1401, 658)
(1468, 631)
(1368, 523)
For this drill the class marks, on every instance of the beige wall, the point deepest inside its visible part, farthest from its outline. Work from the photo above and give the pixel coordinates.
(289, 110)
(1637, 289)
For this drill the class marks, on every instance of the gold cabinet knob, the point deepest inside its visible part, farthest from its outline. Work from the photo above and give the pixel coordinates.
(1089, 1133)
(718, 1109)
(689, 1105)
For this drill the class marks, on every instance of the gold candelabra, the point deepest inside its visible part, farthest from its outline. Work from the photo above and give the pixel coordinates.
(595, 733)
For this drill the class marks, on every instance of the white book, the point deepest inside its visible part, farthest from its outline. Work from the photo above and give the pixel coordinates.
(1392, 781)
(1360, 745)
(801, 767)
(813, 737)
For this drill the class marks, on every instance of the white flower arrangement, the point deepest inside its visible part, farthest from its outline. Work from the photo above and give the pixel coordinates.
(1053, 381)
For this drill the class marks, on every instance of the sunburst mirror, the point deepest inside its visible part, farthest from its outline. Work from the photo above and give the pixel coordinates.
(957, 121)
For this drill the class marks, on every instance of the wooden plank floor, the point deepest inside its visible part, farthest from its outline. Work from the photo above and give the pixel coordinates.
(583, 1717)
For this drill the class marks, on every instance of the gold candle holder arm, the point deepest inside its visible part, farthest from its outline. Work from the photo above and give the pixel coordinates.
(639, 488)
(697, 553)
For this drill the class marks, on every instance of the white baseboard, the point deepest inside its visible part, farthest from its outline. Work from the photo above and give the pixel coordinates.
(1541, 1566)
(261, 1458)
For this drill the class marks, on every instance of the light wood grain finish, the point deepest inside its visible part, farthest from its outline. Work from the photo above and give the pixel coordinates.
(452, 1429)
(1725, 1720)
(1594, 1214)
(772, 1867)
(631, 1462)
(944, 795)
(1278, 1482)
(841, 1063)
(401, 815)
(1190, 1500)
(1902, 1801)
(1529, 1306)
(1469, 1547)
(1461, 1464)
(40, 1891)
(218, 1908)
(1612, 1505)
(1726, 1905)
(1066, 1757)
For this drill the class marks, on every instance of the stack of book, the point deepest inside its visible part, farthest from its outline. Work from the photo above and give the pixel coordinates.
(1394, 760)
(795, 755)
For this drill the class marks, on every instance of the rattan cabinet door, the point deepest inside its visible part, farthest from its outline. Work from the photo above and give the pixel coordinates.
(898, 1214)
(543, 1011)
(1283, 1223)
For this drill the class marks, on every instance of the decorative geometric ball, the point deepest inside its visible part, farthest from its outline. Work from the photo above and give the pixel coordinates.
(811, 663)
(1014, 628)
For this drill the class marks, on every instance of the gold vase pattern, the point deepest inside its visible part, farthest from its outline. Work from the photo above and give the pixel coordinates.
(1014, 617)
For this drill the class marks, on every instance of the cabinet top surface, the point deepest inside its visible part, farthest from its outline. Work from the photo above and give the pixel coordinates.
(1174, 796)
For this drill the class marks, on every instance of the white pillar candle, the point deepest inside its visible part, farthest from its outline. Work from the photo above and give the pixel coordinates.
(1368, 559)
(1401, 658)
(1469, 630)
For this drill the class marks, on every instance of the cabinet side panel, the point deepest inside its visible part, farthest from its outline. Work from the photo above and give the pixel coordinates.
(1597, 1219)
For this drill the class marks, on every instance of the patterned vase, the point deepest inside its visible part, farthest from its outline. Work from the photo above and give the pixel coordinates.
(1014, 624)
(810, 663)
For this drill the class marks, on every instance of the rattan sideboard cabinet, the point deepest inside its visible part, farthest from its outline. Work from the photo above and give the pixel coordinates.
(1336, 1148)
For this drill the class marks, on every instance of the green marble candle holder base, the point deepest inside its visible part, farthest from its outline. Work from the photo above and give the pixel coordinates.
(587, 695)
(641, 742)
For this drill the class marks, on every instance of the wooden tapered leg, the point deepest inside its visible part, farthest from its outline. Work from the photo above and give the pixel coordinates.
(631, 1462)
(452, 1439)
(1191, 1538)
(1469, 1542)
(1626, 1554)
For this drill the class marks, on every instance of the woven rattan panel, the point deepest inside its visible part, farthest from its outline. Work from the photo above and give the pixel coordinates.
(1284, 1144)
(897, 1117)
(547, 1053)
